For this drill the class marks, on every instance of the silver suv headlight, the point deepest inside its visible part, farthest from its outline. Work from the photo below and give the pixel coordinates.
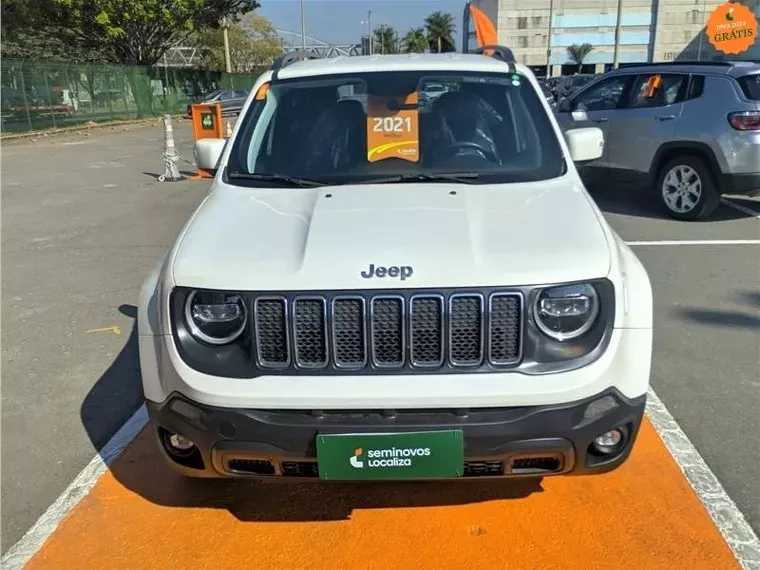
(215, 317)
(566, 312)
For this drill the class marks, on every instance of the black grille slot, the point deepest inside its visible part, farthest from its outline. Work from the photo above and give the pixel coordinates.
(310, 332)
(505, 321)
(299, 469)
(536, 465)
(427, 331)
(349, 333)
(251, 466)
(466, 330)
(271, 332)
(489, 468)
(388, 331)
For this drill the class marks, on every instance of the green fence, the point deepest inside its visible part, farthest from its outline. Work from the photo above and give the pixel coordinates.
(43, 95)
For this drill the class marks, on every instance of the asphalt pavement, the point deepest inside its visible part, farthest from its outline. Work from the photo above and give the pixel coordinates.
(84, 218)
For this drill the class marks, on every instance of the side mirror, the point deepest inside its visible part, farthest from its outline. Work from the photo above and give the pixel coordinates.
(585, 143)
(208, 152)
(563, 106)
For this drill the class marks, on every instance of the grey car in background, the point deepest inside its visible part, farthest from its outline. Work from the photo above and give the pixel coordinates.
(687, 132)
(232, 101)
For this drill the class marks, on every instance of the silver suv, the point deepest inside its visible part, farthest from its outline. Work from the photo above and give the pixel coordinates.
(689, 131)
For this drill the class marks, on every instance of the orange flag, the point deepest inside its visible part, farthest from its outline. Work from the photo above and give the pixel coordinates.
(484, 28)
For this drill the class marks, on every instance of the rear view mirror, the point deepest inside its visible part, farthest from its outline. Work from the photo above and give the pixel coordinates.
(208, 152)
(585, 143)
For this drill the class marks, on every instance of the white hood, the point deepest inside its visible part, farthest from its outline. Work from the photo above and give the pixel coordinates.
(450, 235)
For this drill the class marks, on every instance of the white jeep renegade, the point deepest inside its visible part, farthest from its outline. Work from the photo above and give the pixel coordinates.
(381, 285)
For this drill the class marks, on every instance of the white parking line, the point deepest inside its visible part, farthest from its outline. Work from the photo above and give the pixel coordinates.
(727, 517)
(21, 552)
(741, 207)
(698, 242)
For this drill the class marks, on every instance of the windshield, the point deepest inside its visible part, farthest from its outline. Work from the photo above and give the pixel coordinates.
(371, 127)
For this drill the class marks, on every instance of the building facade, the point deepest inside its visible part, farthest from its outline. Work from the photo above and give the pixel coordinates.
(650, 30)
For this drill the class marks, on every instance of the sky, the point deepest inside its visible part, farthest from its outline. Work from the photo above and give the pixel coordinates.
(340, 21)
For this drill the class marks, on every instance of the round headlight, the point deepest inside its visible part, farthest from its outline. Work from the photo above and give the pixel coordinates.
(566, 312)
(215, 317)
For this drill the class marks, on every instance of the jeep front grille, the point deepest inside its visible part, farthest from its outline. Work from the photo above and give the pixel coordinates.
(388, 332)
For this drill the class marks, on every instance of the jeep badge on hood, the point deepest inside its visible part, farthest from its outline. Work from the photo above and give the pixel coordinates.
(403, 272)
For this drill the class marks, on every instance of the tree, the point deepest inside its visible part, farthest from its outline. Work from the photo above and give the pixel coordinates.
(440, 28)
(578, 53)
(132, 32)
(135, 32)
(253, 44)
(387, 39)
(416, 40)
(25, 34)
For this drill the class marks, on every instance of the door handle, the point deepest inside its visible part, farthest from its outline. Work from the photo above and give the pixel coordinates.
(665, 117)
(602, 120)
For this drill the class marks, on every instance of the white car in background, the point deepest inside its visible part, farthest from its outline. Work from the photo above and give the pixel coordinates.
(372, 293)
(432, 92)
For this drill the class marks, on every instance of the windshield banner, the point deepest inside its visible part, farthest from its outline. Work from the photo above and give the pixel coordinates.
(393, 128)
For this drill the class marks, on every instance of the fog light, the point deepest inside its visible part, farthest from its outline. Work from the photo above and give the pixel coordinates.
(609, 442)
(179, 445)
(179, 442)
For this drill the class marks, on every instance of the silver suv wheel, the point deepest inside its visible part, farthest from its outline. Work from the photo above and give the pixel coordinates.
(687, 188)
(681, 189)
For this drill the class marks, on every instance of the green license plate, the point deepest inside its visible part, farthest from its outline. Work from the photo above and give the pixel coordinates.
(378, 456)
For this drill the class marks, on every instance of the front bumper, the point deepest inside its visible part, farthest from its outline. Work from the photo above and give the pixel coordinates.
(498, 442)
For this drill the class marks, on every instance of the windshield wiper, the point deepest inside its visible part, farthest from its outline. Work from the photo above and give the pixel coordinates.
(290, 180)
(460, 177)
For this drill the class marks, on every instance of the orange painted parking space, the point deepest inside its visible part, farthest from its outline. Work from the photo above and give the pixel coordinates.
(141, 515)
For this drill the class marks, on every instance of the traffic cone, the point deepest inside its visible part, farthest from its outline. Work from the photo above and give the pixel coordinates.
(170, 153)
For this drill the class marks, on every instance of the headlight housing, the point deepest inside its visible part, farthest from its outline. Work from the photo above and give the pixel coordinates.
(215, 317)
(566, 312)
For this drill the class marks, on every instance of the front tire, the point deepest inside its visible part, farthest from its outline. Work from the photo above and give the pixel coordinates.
(687, 189)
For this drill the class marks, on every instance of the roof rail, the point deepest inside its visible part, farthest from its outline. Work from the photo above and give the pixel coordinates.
(290, 58)
(502, 52)
(499, 52)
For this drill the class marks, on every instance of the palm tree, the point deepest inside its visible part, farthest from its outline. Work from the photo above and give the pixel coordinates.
(440, 31)
(387, 39)
(578, 52)
(416, 40)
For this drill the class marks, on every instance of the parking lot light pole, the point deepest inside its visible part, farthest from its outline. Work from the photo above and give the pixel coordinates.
(370, 41)
(303, 27)
(227, 59)
(616, 56)
(549, 40)
(702, 31)
(368, 22)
